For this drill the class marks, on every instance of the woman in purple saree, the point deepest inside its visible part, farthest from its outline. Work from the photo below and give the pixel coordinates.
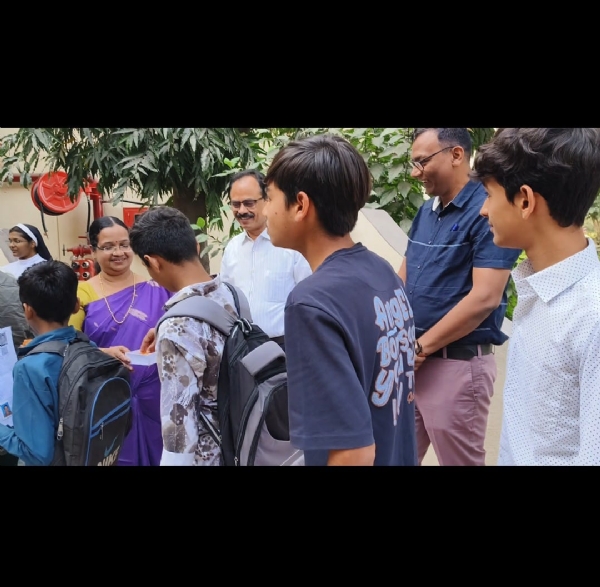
(118, 309)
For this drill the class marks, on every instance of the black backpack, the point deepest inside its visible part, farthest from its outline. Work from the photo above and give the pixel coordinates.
(252, 400)
(94, 403)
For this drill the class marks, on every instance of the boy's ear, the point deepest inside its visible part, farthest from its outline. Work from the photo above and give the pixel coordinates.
(526, 200)
(29, 312)
(77, 307)
(303, 206)
(153, 262)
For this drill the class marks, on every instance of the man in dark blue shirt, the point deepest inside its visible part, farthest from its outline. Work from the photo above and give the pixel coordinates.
(456, 280)
(350, 360)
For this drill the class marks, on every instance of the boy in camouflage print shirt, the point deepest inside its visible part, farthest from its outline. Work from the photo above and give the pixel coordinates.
(188, 351)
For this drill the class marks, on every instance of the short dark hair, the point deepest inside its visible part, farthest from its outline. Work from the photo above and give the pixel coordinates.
(40, 248)
(257, 175)
(561, 164)
(50, 288)
(166, 232)
(333, 174)
(449, 137)
(100, 224)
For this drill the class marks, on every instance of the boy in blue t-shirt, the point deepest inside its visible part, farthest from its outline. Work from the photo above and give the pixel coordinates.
(349, 328)
(48, 292)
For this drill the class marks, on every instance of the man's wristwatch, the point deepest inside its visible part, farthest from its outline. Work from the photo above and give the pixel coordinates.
(418, 347)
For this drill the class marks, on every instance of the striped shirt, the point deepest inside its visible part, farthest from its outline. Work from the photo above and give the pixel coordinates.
(266, 274)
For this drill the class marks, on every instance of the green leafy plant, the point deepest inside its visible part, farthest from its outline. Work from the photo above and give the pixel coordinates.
(512, 290)
(190, 168)
(180, 166)
(212, 245)
(593, 218)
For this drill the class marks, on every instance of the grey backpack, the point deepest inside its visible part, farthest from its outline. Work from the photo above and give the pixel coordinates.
(252, 401)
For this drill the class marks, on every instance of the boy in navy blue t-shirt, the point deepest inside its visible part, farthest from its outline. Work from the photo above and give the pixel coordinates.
(350, 330)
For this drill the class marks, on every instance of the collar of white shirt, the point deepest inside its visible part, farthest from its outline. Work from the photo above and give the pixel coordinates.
(263, 234)
(555, 279)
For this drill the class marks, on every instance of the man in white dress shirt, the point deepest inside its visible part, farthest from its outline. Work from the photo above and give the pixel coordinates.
(265, 273)
(541, 183)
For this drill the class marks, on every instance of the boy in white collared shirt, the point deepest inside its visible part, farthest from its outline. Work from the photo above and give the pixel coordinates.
(541, 183)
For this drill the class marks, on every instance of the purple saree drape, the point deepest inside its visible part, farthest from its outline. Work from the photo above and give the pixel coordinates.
(143, 445)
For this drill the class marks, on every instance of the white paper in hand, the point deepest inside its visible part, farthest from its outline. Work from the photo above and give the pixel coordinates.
(138, 358)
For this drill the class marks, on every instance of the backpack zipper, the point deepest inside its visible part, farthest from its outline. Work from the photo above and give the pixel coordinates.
(60, 430)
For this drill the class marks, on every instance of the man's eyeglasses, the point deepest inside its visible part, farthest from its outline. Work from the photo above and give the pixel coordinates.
(248, 204)
(112, 248)
(420, 165)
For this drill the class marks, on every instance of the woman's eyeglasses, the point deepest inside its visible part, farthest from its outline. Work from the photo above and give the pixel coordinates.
(111, 248)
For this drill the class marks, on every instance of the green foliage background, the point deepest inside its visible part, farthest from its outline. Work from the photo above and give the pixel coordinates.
(191, 166)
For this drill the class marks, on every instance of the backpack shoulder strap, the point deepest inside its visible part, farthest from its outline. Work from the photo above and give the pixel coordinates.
(241, 302)
(57, 347)
(52, 346)
(203, 309)
(211, 312)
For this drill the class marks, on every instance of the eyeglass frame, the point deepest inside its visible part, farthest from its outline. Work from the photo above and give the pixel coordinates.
(420, 164)
(112, 248)
(244, 203)
(18, 241)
